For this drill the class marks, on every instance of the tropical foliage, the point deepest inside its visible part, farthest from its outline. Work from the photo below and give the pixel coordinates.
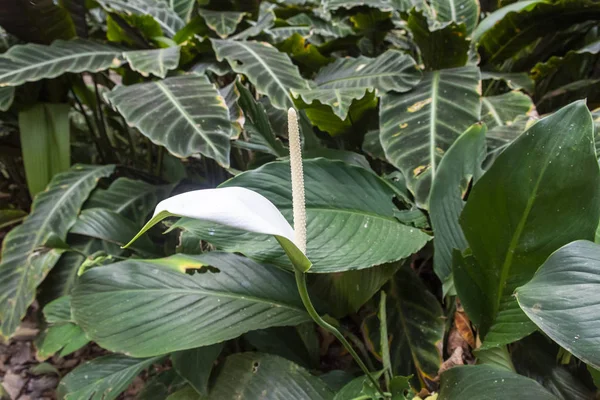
(452, 196)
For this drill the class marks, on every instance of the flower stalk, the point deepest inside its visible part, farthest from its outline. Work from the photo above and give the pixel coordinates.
(299, 211)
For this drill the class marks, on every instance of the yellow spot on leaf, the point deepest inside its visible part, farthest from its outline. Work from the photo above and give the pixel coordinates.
(419, 170)
(404, 125)
(418, 105)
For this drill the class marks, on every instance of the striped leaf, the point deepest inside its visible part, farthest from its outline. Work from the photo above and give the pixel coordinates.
(465, 11)
(7, 95)
(186, 114)
(417, 127)
(33, 62)
(26, 259)
(223, 23)
(156, 61)
(168, 19)
(183, 8)
(269, 70)
(349, 78)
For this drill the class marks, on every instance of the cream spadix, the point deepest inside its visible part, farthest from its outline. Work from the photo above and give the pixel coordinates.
(235, 207)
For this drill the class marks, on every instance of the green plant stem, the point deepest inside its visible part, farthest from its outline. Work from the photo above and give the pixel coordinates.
(385, 349)
(303, 290)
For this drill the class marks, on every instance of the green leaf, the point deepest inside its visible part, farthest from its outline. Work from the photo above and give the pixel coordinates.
(263, 24)
(270, 71)
(45, 143)
(186, 114)
(481, 382)
(329, 29)
(344, 293)
(25, 260)
(33, 62)
(156, 61)
(526, 200)
(356, 388)
(256, 375)
(460, 165)
(195, 365)
(58, 310)
(147, 307)
(383, 5)
(419, 126)
(415, 327)
(162, 385)
(350, 218)
(231, 95)
(133, 199)
(41, 21)
(7, 95)
(459, 11)
(224, 23)
(103, 378)
(10, 217)
(349, 78)
(183, 8)
(101, 223)
(284, 341)
(497, 357)
(443, 46)
(508, 33)
(168, 20)
(187, 393)
(514, 80)
(65, 337)
(569, 316)
(502, 110)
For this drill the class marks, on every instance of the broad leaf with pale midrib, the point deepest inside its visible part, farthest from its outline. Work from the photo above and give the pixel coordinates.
(350, 218)
(526, 200)
(150, 307)
(186, 114)
(417, 127)
(268, 377)
(563, 299)
(25, 262)
(459, 11)
(271, 71)
(168, 19)
(156, 61)
(223, 23)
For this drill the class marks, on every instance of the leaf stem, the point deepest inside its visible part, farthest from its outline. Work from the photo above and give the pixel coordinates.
(303, 290)
(383, 340)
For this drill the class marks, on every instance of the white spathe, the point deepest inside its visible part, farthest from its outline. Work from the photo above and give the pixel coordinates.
(235, 207)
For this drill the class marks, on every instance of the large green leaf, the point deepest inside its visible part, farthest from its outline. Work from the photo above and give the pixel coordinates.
(483, 382)
(25, 257)
(562, 299)
(442, 46)
(186, 114)
(526, 200)
(459, 11)
(286, 342)
(493, 18)
(33, 62)
(415, 327)
(530, 21)
(40, 21)
(503, 109)
(183, 8)
(167, 18)
(350, 218)
(150, 307)
(195, 365)
(271, 71)
(460, 165)
(103, 378)
(131, 198)
(249, 376)
(157, 62)
(419, 126)
(349, 78)
(224, 23)
(45, 143)
(344, 293)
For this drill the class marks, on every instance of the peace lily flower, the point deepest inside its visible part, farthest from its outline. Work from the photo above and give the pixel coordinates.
(245, 209)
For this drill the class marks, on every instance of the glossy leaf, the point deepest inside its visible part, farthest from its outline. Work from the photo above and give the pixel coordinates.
(103, 378)
(151, 307)
(481, 382)
(183, 8)
(419, 126)
(63, 338)
(45, 143)
(271, 71)
(415, 327)
(547, 169)
(460, 165)
(256, 375)
(25, 261)
(569, 316)
(351, 227)
(286, 342)
(493, 18)
(347, 79)
(195, 365)
(503, 109)
(186, 114)
(33, 62)
(224, 23)
(459, 11)
(157, 62)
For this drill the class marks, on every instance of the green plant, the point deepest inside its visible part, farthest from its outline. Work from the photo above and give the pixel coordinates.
(446, 222)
